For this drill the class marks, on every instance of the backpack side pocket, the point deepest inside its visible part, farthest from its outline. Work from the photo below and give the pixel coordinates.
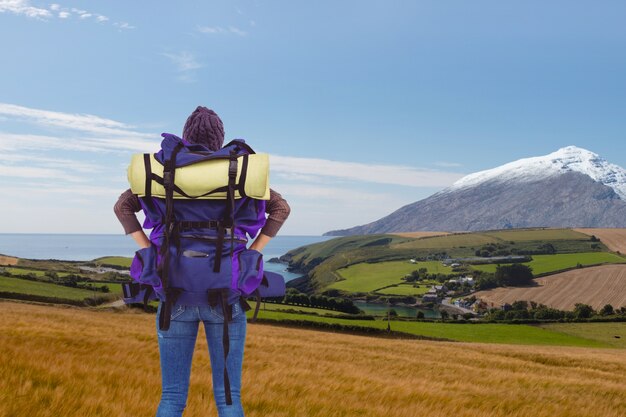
(143, 269)
(250, 270)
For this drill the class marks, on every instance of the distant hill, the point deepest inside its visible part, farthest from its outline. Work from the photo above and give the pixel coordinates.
(571, 187)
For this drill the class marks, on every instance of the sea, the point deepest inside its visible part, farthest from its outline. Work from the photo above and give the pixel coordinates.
(86, 247)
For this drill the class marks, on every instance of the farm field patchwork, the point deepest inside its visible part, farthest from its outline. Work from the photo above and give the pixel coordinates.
(23, 286)
(482, 333)
(70, 362)
(543, 264)
(614, 239)
(521, 235)
(36, 272)
(596, 286)
(405, 289)
(365, 277)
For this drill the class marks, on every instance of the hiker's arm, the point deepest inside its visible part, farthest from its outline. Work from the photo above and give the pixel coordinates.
(260, 242)
(127, 205)
(278, 210)
(141, 239)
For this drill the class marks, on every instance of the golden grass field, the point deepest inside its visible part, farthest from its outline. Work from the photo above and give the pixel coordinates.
(8, 260)
(596, 286)
(614, 239)
(71, 362)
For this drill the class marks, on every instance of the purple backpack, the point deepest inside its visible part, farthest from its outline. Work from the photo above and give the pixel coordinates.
(198, 254)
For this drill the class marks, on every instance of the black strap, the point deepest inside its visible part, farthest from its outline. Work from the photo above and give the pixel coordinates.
(230, 198)
(169, 175)
(215, 297)
(240, 144)
(226, 343)
(146, 296)
(241, 187)
(210, 224)
(258, 305)
(171, 296)
(219, 245)
(148, 167)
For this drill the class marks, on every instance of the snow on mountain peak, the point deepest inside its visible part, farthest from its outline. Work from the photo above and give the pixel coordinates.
(568, 159)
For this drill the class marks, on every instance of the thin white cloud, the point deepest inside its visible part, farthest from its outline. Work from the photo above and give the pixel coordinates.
(15, 142)
(23, 7)
(82, 122)
(356, 171)
(448, 164)
(48, 162)
(185, 60)
(185, 63)
(221, 30)
(12, 171)
(124, 25)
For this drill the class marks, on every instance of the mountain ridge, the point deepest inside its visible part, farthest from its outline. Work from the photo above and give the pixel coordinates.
(572, 187)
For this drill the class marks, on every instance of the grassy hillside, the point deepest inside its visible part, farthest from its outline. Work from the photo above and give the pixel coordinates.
(545, 264)
(72, 362)
(371, 276)
(22, 286)
(332, 264)
(480, 333)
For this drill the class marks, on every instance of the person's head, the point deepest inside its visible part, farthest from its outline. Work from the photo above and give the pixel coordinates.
(204, 127)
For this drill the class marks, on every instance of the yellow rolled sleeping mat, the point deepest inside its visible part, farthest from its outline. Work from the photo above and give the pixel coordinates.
(202, 179)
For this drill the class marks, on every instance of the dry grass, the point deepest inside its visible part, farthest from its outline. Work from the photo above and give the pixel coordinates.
(8, 260)
(70, 362)
(420, 234)
(595, 286)
(614, 239)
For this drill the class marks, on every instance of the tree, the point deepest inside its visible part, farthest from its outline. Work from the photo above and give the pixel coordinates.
(583, 311)
(519, 305)
(514, 274)
(607, 310)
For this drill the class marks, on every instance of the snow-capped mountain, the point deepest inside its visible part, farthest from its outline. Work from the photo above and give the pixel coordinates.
(572, 187)
(568, 159)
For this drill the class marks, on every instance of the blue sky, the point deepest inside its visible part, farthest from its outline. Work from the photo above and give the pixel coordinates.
(364, 105)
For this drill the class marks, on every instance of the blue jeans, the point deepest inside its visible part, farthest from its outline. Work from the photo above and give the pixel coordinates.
(176, 347)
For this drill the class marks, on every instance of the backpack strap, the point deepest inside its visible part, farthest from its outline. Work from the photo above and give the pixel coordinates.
(215, 296)
(171, 296)
(169, 173)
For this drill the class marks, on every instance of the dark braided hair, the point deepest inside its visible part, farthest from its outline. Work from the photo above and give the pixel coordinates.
(204, 127)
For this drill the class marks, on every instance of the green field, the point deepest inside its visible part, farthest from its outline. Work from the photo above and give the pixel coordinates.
(36, 272)
(365, 277)
(114, 260)
(282, 307)
(448, 241)
(602, 332)
(23, 286)
(537, 234)
(405, 289)
(481, 333)
(544, 264)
